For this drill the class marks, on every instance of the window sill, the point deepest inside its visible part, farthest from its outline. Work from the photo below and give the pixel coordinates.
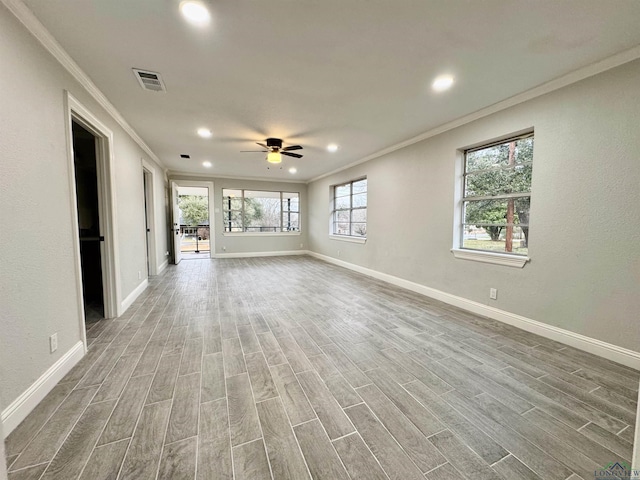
(260, 234)
(345, 238)
(516, 261)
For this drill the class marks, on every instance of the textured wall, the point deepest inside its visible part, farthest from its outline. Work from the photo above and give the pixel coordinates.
(584, 274)
(38, 283)
(253, 243)
(3, 462)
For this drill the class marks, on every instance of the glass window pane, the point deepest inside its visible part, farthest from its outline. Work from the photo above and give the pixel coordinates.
(524, 150)
(360, 186)
(359, 229)
(495, 156)
(343, 202)
(498, 155)
(486, 212)
(499, 182)
(342, 190)
(290, 222)
(262, 214)
(494, 239)
(234, 226)
(342, 216)
(236, 203)
(360, 200)
(359, 215)
(235, 217)
(290, 204)
(494, 212)
(341, 228)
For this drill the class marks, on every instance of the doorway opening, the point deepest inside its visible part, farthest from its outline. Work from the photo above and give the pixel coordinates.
(149, 219)
(195, 232)
(191, 211)
(87, 199)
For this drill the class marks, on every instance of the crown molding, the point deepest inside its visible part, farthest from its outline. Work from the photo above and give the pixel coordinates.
(174, 174)
(38, 30)
(548, 87)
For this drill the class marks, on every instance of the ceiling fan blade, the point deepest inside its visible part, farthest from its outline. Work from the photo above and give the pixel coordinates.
(253, 151)
(262, 145)
(291, 154)
(292, 147)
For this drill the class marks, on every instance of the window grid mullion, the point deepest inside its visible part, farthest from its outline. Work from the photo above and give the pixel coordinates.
(504, 196)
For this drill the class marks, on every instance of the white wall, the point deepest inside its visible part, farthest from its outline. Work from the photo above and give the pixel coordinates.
(585, 222)
(38, 283)
(3, 461)
(286, 242)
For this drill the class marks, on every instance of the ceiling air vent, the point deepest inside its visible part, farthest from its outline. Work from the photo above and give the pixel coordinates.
(149, 80)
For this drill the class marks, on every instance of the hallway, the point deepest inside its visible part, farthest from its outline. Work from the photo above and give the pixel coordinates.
(289, 367)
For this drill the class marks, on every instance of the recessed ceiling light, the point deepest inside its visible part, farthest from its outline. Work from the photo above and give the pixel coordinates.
(293, 170)
(332, 147)
(204, 132)
(195, 12)
(442, 83)
(206, 164)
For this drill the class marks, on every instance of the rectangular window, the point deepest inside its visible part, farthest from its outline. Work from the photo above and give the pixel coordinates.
(349, 216)
(260, 211)
(497, 196)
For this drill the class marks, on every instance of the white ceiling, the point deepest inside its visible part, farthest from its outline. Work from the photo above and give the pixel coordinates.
(353, 72)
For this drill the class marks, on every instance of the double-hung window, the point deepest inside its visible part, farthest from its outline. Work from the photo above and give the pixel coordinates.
(253, 211)
(497, 196)
(349, 215)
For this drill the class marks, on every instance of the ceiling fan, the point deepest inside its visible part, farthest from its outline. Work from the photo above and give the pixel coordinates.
(274, 150)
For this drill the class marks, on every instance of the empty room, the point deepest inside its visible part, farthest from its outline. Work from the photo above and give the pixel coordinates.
(277, 239)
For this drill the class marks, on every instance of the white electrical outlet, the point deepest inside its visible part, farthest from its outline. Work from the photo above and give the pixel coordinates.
(224, 249)
(493, 293)
(139, 275)
(338, 252)
(53, 342)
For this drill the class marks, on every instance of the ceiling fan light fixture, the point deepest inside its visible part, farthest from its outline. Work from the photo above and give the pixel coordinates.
(274, 157)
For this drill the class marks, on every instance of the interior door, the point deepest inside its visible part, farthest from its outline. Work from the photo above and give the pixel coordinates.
(175, 223)
(145, 184)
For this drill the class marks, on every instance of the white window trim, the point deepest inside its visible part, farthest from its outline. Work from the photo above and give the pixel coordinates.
(506, 259)
(348, 238)
(260, 234)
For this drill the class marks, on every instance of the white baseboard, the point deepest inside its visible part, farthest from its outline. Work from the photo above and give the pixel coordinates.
(606, 350)
(260, 254)
(29, 399)
(126, 303)
(162, 266)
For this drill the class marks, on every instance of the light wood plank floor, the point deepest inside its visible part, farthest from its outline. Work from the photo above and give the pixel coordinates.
(292, 368)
